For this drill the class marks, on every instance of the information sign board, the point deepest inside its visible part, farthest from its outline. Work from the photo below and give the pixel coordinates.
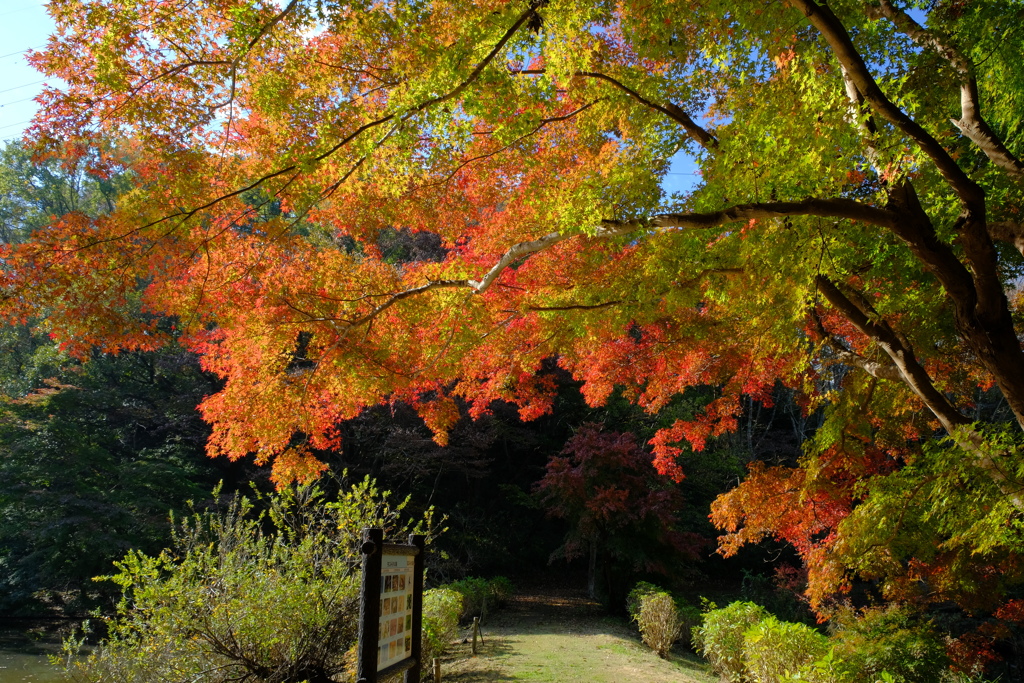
(395, 622)
(391, 608)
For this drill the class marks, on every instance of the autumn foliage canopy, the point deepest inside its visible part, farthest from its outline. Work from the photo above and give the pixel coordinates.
(852, 235)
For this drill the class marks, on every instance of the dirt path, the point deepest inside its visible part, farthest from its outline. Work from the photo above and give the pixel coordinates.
(563, 638)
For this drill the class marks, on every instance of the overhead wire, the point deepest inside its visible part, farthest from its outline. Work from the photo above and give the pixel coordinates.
(12, 125)
(20, 52)
(24, 85)
(32, 5)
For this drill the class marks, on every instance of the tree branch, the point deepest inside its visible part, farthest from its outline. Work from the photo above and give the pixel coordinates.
(827, 208)
(523, 18)
(674, 112)
(536, 129)
(910, 370)
(185, 215)
(852, 358)
(822, 18)
(916, 378)
(834, 208)
(1008, 231)
(867, 126)
(575, 307)
(971, 123)
(700, 135)
(514, 253)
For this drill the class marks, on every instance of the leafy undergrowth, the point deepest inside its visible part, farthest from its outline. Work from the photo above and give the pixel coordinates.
(563, 638)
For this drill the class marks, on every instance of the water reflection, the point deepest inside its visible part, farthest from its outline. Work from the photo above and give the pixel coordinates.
(23, 656)
(16, 667)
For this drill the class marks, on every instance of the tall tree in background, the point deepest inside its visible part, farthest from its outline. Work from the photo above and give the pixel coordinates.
(92, 454)
(617, 507)
(855, 212)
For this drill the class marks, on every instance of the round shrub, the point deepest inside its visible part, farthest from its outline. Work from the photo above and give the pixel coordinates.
(720, 638)
(501, 589)
(475, 592)
(659, 622)
(634, 597)
(689, 614)
(773, 649)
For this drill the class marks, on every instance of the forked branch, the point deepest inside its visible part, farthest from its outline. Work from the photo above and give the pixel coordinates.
(822, 18)
(1008, 231)
(848, 357)
(971, 122)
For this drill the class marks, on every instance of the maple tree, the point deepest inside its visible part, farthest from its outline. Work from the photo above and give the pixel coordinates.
(853, 235)
(603, 484)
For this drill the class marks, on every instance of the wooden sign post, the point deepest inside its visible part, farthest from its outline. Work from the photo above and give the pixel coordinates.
(390, 608)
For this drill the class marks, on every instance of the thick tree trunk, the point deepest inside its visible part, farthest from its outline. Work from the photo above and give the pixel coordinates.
(592, 570)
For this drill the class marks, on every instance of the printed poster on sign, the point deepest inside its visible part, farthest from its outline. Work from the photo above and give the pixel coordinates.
(394, 641)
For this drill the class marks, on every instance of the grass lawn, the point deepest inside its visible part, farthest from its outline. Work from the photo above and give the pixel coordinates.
(563, 639)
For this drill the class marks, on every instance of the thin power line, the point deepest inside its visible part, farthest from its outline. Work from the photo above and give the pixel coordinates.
(7, 104)
(21, 52)
(12, 125)
(19, 87)
(20, 9)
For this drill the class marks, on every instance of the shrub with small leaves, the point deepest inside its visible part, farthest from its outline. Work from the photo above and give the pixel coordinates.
(720, 638)
(773, 649)
(891, 640)
(501, 589)
(659, 622)
(441, 610)
(689, 614)
(475, 592)
(634, 597)
(690, 617)
(481, 595)
(266, 590)
(827, 669)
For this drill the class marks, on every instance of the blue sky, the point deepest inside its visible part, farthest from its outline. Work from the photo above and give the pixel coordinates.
(24, 24)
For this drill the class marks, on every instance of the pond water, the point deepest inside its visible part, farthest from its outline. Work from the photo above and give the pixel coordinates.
(23, 656)
(16, 667)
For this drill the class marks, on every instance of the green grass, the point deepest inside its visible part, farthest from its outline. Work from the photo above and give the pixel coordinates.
(564, 648)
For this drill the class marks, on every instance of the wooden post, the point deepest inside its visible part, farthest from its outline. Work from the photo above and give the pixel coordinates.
(476, 630)
(413, 675)
(437, 670)
(373, 543)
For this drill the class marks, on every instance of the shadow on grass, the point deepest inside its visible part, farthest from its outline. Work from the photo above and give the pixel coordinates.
(461, 665)
(687, 661)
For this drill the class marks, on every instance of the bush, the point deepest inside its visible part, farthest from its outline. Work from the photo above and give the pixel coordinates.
(501, 589)
(720, 638)
(690, 617)
(262, 597)
(659, 622)
(689, 614)
(635, 596)
(890, 640)
(773, 649)
(480, 595)
(441, 610)
(474, 591)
